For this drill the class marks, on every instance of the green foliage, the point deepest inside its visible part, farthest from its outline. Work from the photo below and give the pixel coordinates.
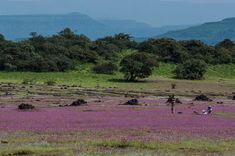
(28, 81)
(191, 69)
(105, 68)
(2, 38)
(50, 82)
(83, 55)
(168, 50)
(61, 52)
(138, 65)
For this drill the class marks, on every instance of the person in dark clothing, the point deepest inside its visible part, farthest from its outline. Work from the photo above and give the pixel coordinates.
(173, 107)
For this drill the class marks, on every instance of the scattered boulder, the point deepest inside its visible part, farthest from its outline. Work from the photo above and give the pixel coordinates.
(132, 102)
(25, 106)
(98, 101)
(233, 97)
(79, 102)
(202, 97)
(4, 142)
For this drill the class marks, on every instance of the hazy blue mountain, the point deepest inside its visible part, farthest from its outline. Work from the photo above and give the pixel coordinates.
(138, 29)
(19, 26)
(210, 33)
(16, 27)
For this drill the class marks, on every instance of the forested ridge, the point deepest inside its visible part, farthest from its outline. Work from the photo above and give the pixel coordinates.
(65, 49)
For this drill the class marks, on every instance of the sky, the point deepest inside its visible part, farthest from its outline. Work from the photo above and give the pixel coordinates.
(154, 12)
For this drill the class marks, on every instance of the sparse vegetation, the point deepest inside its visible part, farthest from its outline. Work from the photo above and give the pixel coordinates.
(50, 82)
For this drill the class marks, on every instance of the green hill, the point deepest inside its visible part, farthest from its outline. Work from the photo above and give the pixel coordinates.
(210, 33)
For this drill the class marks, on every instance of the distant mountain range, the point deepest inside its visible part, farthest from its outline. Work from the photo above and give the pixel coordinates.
(16, 27)
(210, 33)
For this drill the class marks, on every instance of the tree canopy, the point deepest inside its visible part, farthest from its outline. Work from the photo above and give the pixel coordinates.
(138, 66)
(62, 51)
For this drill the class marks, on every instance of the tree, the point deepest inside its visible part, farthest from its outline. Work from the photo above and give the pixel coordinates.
(227, 43)
(168, 50)
(191, 69)
(2, 38)
(67, 33)
(138, 65)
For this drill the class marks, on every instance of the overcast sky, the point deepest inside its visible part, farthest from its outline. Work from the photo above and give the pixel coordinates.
(153, 12)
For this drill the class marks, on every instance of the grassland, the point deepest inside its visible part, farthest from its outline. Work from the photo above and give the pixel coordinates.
(36, 146)
(219, 80)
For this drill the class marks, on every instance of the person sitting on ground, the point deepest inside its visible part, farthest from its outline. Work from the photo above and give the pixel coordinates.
(205, 112)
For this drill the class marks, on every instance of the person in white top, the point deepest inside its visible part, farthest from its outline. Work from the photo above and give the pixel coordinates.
(205, 112)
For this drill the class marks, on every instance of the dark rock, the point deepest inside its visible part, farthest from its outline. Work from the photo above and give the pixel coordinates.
(25, 106)
(202, 97)
(79, 102)
(98, 101)
(4, 142)
(132, 102)
(233, 97)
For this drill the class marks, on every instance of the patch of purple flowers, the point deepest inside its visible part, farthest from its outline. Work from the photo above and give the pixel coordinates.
(157, 119)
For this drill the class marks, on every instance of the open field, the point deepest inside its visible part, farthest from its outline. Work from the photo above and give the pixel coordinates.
(219, 80)
(106, 127)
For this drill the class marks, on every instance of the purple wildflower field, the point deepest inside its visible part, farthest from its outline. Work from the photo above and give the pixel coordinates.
(152, 116)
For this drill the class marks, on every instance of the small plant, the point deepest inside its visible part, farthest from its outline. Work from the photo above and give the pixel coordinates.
(173, 86)
(50, 82)
(29, 81)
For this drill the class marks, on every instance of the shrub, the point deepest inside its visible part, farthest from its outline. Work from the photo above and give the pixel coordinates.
(173, 86)
(202, 97)
(50, 82)
(191, 69)
(25, 106)
(28, 81)
(105, 68)
(79, 102)
(132, 102)
(138, 65)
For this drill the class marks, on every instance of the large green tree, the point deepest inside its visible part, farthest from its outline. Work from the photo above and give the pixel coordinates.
(138, 66)
(193, 69)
